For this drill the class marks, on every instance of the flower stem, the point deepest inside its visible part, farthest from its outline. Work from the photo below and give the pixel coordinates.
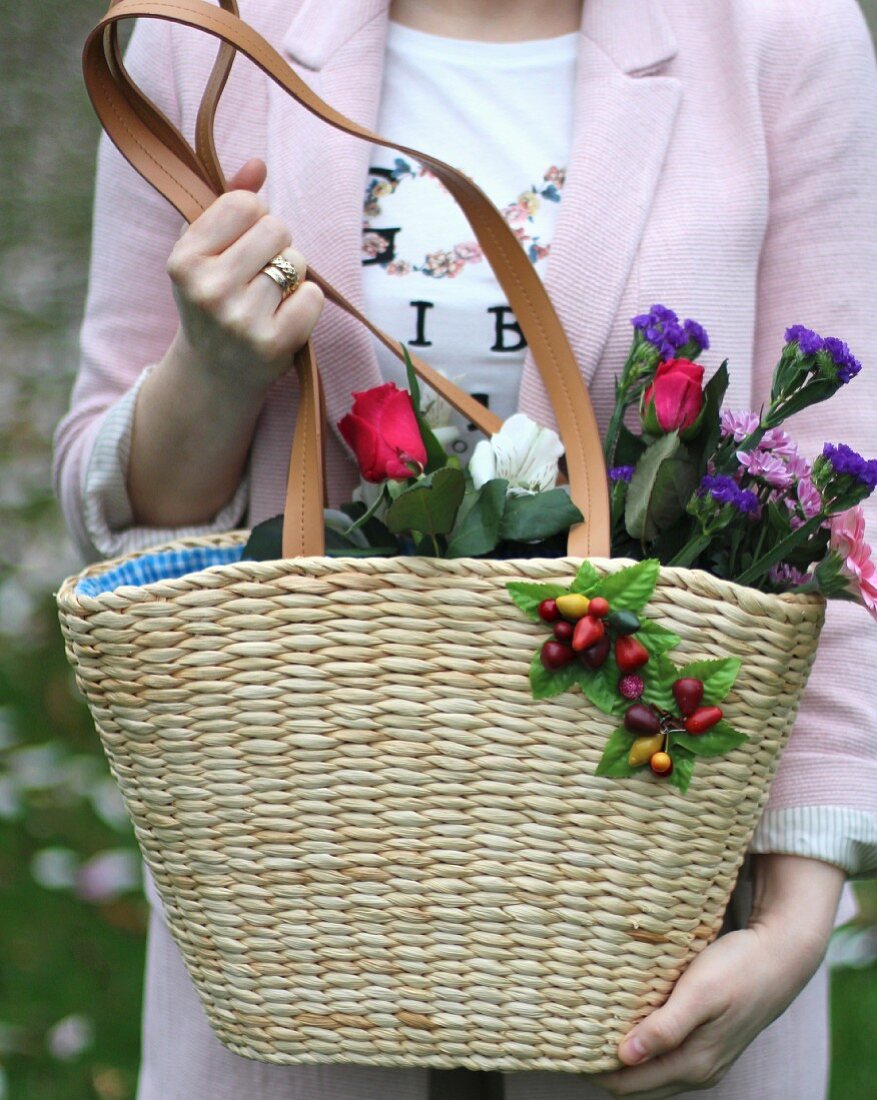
(692, 549)
(776, 554)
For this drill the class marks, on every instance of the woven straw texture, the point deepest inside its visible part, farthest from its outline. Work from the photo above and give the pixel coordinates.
(373, 846)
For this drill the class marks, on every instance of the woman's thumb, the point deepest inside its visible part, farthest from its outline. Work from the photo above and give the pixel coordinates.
(250, 177)
(667, 1028)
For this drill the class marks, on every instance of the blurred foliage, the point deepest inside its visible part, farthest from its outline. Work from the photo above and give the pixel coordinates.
(72, 915)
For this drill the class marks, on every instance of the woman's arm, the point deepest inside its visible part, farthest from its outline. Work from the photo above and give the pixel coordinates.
(736, 986)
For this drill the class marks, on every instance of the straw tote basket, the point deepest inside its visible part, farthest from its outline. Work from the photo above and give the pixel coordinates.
(372, 844)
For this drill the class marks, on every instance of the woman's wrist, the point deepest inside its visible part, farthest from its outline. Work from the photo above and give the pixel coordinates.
(797, 896)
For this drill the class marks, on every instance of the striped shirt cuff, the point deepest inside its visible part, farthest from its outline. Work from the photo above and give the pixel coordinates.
(109, 517)
(834, 834)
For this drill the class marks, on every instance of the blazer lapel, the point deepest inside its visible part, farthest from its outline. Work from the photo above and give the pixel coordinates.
(624, 118)
(338, 49)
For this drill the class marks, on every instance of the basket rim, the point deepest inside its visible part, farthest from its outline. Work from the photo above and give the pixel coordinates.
(513, 568)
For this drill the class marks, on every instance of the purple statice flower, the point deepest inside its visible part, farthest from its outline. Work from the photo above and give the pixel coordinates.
(725, 490)
(621, 473)
(788, 576)
(768, 467)
(739, 424)
(695, 333)
(808, 341)
(848, 463)
(848, 366)
(661, 328)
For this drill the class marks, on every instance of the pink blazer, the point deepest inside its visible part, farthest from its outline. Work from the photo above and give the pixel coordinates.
(723, 163)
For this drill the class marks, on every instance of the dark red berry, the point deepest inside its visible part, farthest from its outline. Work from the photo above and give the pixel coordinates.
(630, 653)
(599, 607)
(641, 719)
(595, 655)
(562, 630)
(556, 655)
(631, 686)
(549, 611)
(688, 693)
(703, 719)
(588, 631)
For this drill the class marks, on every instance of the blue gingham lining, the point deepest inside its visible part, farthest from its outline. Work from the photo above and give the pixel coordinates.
(166, 566)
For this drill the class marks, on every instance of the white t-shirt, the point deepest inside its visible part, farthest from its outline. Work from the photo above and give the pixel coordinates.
(503, 114)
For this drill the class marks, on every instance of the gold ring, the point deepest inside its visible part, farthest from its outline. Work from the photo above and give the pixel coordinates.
(282, 272)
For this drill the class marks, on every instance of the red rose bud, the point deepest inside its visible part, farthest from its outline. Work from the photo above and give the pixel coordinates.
(630, 654)
(674, 400)
(382, 432)
(703, 719)
(588, 631)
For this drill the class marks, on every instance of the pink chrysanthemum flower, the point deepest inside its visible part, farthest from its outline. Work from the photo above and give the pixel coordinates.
(768, 467)
(739, 424)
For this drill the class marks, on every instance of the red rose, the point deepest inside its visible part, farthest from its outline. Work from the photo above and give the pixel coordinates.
(382, 432)
(674, 399)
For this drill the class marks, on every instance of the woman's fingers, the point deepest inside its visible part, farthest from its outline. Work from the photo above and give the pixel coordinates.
(250, 176)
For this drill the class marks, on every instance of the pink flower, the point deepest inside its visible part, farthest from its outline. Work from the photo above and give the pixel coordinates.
(382, 432)
(848, 541)
(555, 175)
(769, 468)
(779, 443)
(809, 498)
(373, 244)
(398, 267)
(469, 252)
(516, 214)
(739, 424)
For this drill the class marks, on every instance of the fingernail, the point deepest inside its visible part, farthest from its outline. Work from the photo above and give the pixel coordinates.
(634, 1050)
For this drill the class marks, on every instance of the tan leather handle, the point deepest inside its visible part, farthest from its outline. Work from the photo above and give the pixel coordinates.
(155, 150)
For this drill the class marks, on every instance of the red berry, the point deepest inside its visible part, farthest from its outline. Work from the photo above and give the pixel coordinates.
(661, 764)
(556, 655)
(588, 631)
(630, 653)
(595, 655)
(631, 686)
(562, 630)
(599, 607)
(549, 611)
(703, 719)
(688, 693)
(641, 719)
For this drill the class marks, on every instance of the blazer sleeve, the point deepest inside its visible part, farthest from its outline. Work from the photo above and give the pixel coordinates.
(819, 268)
(130, 320)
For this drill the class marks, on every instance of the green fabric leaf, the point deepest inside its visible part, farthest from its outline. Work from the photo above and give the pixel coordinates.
(657, 639)
(658, 675)
(430, 506)
(718, 677)
(613, 762)
(587, 580)
(538, 517)
(720, 739)
(650, 496)
(631, 589)
(601, 687)
(265, 542)
(529, 596)
(478, 531)
(546, 683)
(683, 769)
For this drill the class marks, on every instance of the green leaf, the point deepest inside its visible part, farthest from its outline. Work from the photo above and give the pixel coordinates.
(642, 484)
(720, 739)
(718, 677)
(429, 506)
(587, 580)
(660, 488)
(631, 589)
(477, 533)
(629, 447)
(265, 542)
(529, 596)
(538, 517)
(436, 457)
(613, 762)
(657, 639)
(658, 675)
(601, 687)
(546, 683)
(711, 430)
(683, 769)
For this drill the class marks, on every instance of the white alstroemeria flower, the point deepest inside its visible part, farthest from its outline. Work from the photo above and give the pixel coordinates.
(522, 453)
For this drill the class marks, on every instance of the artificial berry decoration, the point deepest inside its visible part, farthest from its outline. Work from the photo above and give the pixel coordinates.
(631, 686)
(562, 631)
(588, 631)
(573, 606)
(643, 749)
(688, 693)
(630, 654)
(596, 655)
(599, 607)
(556, 655)
(549, 612)
(703, 719)
(661, 764)
(624, 622)
(641, 719)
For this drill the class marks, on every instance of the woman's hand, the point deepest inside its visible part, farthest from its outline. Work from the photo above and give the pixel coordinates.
(196, 413)
(233, 325)
(735, 987)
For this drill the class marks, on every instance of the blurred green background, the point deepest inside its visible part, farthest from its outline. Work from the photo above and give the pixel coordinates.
(72, 915)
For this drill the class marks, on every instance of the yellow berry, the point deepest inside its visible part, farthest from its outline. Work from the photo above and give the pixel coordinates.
(573, 606)
(644, 748)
